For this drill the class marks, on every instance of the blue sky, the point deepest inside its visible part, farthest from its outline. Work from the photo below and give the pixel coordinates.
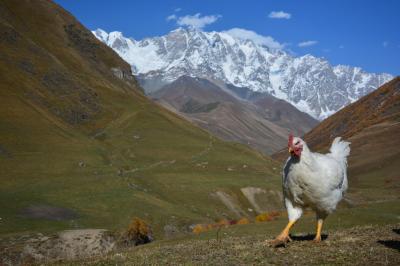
(364, 33)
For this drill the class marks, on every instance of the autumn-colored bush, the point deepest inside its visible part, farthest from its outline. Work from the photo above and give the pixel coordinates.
(199, 228)
(138, 232)
(263, 217)
(243, 220)
(223, 222)
(274, 213)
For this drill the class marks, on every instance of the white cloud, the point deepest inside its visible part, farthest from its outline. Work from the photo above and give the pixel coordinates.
(385, 44)
(307, 43)
(197, 21)
(279, 15)
(176, 10)
(171, 17)
(255, 37)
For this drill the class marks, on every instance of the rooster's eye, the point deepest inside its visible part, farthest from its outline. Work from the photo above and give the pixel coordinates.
(298, 142)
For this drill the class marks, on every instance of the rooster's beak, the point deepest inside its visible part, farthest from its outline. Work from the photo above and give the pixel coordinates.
(290, 150)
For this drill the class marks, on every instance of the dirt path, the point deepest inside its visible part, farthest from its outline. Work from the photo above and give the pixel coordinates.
(206, 150)
(194, 159)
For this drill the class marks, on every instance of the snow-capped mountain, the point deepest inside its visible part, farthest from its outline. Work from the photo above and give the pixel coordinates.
(309, 83)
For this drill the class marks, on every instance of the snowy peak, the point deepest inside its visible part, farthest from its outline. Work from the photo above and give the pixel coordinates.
(244, 59)
(101, 35)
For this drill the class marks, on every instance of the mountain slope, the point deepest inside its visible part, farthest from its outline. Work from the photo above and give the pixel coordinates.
(285, 115)
(372, 125)
(309, 83)
(262, 127)
(81, 146)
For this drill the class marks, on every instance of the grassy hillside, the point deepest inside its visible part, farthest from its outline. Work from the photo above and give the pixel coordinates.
(81, 146)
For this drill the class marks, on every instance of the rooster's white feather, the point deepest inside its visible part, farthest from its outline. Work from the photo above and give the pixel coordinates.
(315, 180)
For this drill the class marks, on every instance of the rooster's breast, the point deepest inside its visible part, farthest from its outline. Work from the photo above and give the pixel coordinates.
(308, 187)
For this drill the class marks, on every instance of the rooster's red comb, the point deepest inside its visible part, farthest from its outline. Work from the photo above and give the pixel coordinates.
(290, 142)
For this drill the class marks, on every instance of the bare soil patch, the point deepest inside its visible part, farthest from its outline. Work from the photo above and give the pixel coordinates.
(48, 212)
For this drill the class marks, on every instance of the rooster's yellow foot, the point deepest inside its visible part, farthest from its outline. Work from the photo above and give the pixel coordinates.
(279, 241)
(317, 239)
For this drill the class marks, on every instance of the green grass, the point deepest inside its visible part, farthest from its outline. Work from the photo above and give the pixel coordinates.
(51, 174)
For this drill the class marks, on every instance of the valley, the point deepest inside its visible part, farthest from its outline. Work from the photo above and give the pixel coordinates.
(262, 123)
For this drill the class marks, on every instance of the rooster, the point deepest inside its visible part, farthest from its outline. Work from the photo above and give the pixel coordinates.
(313, 180)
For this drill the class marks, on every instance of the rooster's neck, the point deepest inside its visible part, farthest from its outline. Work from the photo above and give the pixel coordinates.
(306, 155)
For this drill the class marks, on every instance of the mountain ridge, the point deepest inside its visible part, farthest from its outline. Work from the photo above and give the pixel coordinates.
(309, 83)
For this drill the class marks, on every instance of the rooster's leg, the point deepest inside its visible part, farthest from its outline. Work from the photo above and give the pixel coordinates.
(283, 237)
(319, 229)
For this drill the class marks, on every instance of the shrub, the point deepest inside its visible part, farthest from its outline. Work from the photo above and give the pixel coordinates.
(199, 228)
(233, 222)
(138, 232)
(263, 217)
(223, 223)
(243, 220)
(274, 214)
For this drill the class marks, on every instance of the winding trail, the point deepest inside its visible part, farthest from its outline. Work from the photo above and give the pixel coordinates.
(194, 159)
